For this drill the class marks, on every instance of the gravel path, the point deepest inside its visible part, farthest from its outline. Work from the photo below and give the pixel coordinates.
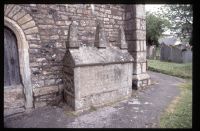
(140, 111)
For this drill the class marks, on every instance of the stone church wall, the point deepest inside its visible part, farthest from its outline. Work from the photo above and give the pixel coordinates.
(46, 28)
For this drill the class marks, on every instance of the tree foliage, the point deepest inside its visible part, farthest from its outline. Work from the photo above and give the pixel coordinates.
(181, 19)
(155, 26)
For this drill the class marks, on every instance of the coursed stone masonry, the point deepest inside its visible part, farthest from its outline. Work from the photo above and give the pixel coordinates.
(46, 30)
(135, 30)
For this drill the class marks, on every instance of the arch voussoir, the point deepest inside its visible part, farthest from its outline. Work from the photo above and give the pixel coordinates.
(23, 26)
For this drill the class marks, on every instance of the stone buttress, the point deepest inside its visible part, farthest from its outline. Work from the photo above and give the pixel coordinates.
(135, 30)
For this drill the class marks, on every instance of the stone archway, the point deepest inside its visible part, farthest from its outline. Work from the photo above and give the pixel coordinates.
(18, 20)
(23, 60)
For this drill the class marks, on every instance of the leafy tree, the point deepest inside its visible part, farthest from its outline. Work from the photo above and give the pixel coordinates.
(155, 27)
(181, 19)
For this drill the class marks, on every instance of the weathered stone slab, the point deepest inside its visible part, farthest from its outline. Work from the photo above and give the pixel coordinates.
(144, 67)
(139, 56)
(31, 30)
(138, 79)
(33, 37)
(98, 79)
(98, 85)
(24, 19)
(8, 9)
(15, 9)
(139, 11)
(92, 56)
(45, 90)
(139, 35)
(40, 104)
(11, 111)
(137, 68)
(28, 24)
(13, 99)
(102, 99)
(19, 15)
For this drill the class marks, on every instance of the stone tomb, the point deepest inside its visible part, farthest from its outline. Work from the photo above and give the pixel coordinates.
(96, 75)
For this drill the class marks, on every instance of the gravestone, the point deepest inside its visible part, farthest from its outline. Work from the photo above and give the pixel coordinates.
(151, 52)
(175, 54)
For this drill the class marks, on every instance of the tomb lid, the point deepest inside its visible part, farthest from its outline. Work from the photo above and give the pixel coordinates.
(94, 56)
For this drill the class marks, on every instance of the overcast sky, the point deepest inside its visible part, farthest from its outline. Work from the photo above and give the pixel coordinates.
(152, 7)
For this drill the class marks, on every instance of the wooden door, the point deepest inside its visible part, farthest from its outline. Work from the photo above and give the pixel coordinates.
(13, 88)
(11, 59)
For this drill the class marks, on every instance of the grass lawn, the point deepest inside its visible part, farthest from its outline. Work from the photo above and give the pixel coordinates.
(179, 113)
(174, 69)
